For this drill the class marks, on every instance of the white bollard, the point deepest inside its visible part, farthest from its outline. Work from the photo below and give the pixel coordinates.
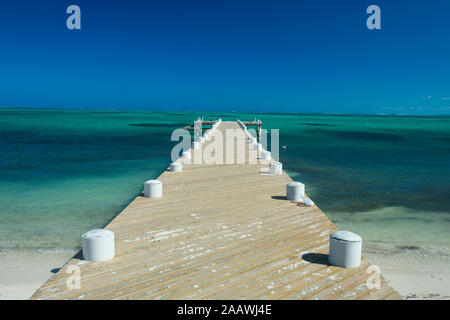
(187, 155)
(176, 167)
(345, 249)
(265, 155)
(295, 191)
(275, 167)
(153, 189)
(196, 145)
(206, 136)
(98, 245)
(201, 139)
(259, 147)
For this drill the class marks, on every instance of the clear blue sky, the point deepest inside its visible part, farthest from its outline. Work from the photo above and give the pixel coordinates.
(283, 56)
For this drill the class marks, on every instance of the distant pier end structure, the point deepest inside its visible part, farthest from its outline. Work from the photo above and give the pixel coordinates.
(200, 123)
(221, 230)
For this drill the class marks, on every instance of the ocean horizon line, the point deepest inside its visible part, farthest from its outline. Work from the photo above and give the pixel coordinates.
(162, 109)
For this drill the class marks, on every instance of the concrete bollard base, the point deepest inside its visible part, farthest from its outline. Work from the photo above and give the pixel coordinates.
(176, 167)
(295, 191)
(98, 245)
(275, 167)
(345, 249)
(153, 189)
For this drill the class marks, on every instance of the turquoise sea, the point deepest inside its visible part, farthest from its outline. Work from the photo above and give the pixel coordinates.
(63, 172)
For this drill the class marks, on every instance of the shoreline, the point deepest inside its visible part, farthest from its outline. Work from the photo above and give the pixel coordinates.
(22, 273)
(415, 274)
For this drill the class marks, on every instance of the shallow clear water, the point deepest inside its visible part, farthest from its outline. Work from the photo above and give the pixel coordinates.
(63, 172)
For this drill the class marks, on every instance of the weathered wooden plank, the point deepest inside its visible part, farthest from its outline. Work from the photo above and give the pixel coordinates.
(221, 231)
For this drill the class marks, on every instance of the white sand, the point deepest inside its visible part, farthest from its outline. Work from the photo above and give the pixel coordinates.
(415, 274)
(21, 274)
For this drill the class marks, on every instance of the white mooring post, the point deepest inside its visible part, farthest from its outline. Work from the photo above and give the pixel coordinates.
(345, 249)
(187, 155)
(265, 155)
(153, 189)
(176, 167)
(259, 147)
(275, 167)
(196, 145)
(98, 245)
(295, 191)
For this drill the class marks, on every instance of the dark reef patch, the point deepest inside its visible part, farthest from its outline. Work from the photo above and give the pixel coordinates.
(316, 124)
(369, 136)
(363, 135)
(158, 125)
(443, 139)
(109, 112)
(408, 247)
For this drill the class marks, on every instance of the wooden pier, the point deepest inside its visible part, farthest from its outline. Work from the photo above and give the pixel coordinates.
(221, 231)
(200, 123)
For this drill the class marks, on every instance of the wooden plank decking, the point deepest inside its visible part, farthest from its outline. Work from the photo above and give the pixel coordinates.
(219, 232)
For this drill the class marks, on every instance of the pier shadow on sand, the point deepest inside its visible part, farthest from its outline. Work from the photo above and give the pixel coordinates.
(265, 171)
(316, 258)
(79, 255)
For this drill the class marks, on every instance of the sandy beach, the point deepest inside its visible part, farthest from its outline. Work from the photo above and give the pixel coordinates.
(415, 275)
(21, 274)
